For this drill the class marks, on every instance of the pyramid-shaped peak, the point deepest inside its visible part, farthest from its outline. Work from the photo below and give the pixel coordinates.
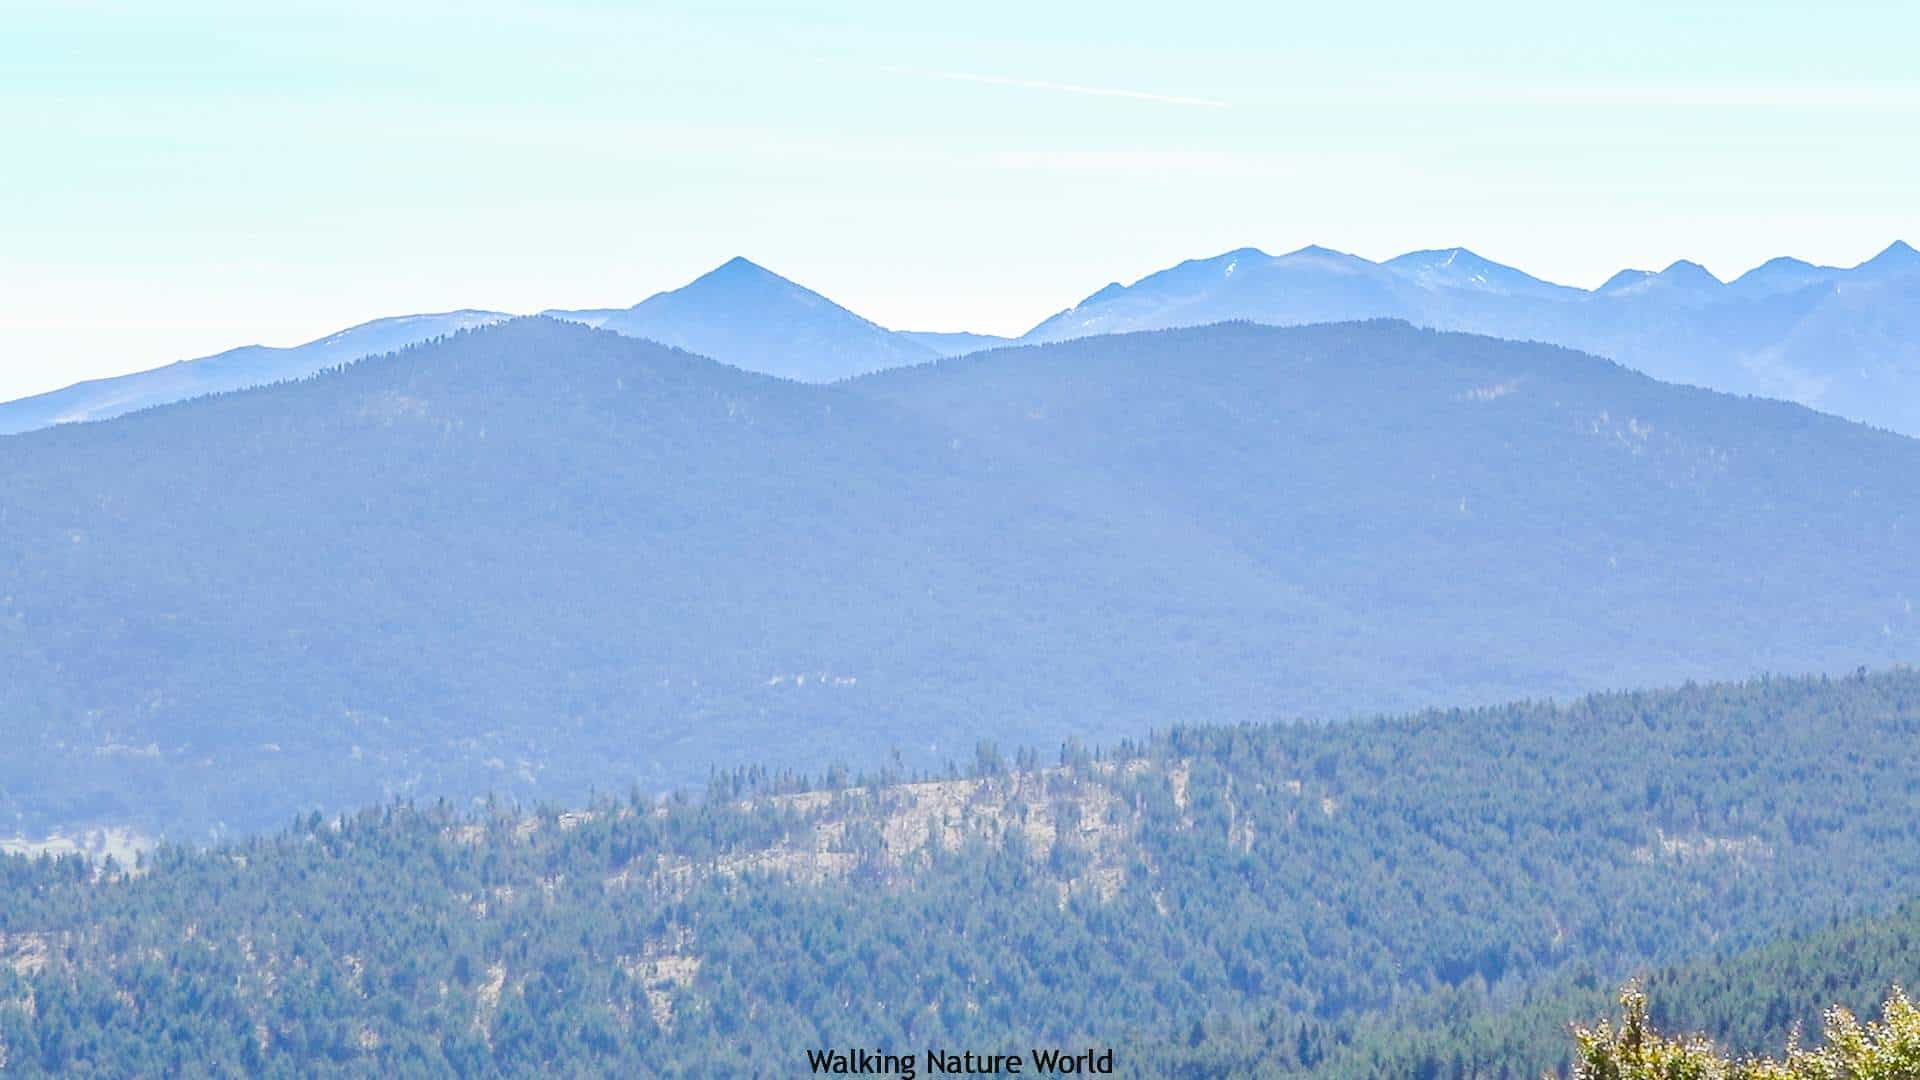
(1898, 255)
(741, 267)
(739, 280)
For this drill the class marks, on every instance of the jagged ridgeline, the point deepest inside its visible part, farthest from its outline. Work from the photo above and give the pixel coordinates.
(537, 558)
(1278, 898)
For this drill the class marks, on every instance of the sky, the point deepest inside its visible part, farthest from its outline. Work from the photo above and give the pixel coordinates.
(180, 179)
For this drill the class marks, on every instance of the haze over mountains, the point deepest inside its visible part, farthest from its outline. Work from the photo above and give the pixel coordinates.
(755, 319)
(535, 557)
(1845, 341)
(235, 369)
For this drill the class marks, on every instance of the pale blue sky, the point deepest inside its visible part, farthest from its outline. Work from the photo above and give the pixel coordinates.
(179, 179)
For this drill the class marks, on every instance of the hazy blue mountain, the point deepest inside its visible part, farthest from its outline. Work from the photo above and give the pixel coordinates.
(1898, 258)
(1682, 283)
(1458, 268)
(249, 365)
(953, 344)
(1313, 284)
(594, 317)
(1835, 339)
(1624, 282)
(739, 314)
(1854, 350)
(1843, 341)
(1840, 340)
(538, 557)
(1784, 274)
(745, 315)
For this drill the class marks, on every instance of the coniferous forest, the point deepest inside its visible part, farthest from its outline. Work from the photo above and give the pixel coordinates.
(1436, 894)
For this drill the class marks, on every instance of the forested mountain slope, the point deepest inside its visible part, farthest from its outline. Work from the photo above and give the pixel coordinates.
(1751, 1001)
(1274, 898)
(536, 558)
(1445, 490)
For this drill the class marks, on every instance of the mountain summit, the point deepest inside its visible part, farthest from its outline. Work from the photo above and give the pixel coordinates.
(1683, 281)
(743, 314)
(1458, 268)
(1899, 257)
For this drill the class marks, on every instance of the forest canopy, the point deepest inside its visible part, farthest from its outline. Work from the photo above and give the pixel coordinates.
(1436, 894)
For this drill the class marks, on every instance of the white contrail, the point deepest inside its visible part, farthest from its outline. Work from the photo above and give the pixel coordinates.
(1068, 88)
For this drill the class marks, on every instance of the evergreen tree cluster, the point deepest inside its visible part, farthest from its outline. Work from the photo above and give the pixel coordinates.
(1430, 895)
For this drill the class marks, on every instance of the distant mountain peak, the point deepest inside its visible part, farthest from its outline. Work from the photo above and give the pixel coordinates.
(1781, 274)
(1624, 281)
(1438, 256)
(1681, 278)
(744, 314)
(738, 269)
(1898, 255)
(1315, 250)
(1465, 269)
(1222, 262)
(1688, 272)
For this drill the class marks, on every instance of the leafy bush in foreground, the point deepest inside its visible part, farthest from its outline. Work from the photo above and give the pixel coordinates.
(1887, 1049)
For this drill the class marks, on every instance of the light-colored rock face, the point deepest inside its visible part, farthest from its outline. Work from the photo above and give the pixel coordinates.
(884, 831)
(123, 846)
(883, 834)
(25, 953)
(1682, 848)
(1077, 825)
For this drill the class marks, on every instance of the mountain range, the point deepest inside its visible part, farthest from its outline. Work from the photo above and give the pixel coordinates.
(1845, 341)
(534, 557)
(1841, 340)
